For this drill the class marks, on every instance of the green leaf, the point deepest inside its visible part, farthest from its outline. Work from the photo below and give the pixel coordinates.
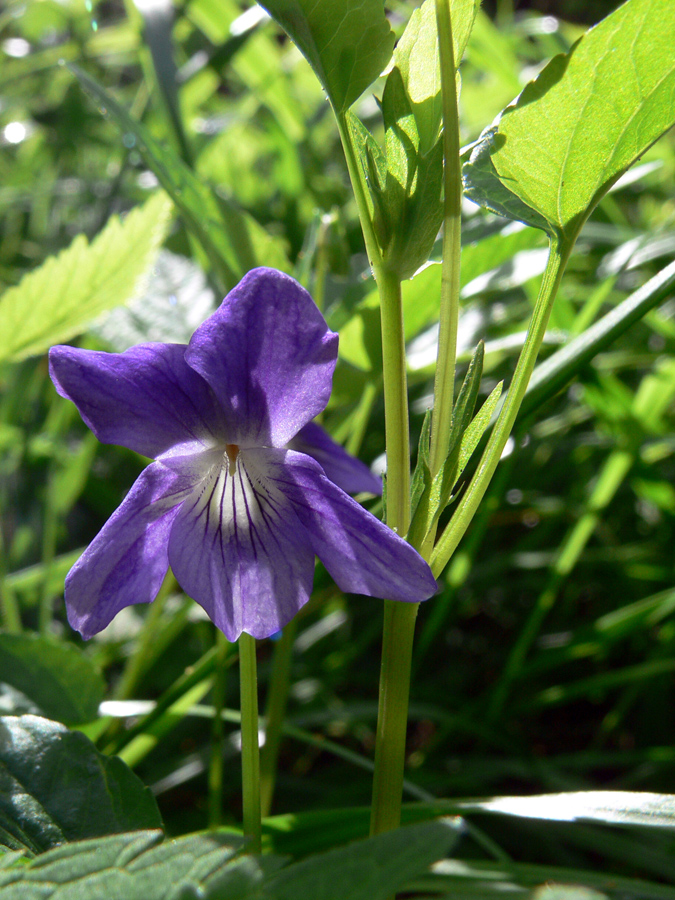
(434, 494)
(59, 299)
(589, 115)
(232, 241)
(136, 866)
(347, 44)
(417, 58)
(55, 786)
(373, 869)
(475, 430)
(57, 677)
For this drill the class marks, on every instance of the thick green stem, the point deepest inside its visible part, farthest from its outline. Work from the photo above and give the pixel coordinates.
(275, 713)
(399, 618)
(558, 255)
(217, 733)
(392, 715)
(444, 380)
(250, 752)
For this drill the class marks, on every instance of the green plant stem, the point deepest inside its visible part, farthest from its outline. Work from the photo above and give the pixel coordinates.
(250, 752)
(392, 715)
(217, 733)
(399, 618)
(558, 255)
(275, 713)
(444, 380)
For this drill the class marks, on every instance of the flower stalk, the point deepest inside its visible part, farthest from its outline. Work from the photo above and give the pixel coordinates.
(250, 752)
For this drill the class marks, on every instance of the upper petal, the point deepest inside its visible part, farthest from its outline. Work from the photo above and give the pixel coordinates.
(240, 552)
(341, 467)
(147, 398)
(127, 560)
(268, 355)
(361, 554)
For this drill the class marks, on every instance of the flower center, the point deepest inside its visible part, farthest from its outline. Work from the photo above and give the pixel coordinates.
(232, 451)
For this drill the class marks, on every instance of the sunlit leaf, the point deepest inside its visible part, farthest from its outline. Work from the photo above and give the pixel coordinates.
(59, 299)
(589, 115)
(347, 44)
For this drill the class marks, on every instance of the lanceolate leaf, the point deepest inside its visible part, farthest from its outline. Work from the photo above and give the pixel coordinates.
(588, 116)
(55, 787)
(58, 300)
(347, 44)
(57, 677)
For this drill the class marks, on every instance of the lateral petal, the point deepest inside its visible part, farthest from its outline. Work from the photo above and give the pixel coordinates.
(269, 357)
(343, 469)
(147, 398)
(240, 552)
(127, 561)
(361, 554)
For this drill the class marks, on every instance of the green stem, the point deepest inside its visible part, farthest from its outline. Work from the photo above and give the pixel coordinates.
(217, 733)
(392, 715)
(250, 752)
(444, 380)
(275, 714)
(399, 618)
(558, 255)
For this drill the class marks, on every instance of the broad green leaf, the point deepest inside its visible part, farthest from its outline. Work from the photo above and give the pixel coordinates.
(347, 44)
(55, 787)
(589, 115)
(57, 677)
(232, 241)
(59, 299)
(136, 866)
(373, 869)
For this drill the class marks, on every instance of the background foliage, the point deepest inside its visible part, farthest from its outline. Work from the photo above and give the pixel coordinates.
(546, 662)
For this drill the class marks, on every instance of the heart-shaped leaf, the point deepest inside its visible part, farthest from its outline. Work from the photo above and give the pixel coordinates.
(589, 115)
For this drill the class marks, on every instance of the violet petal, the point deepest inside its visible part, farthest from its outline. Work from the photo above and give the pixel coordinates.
(361, 554)
(268, 355)
(127, 561)
(147, 398)
(343, 469)
(242, 555)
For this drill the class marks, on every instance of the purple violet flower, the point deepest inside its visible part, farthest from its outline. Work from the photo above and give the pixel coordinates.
(236, 512)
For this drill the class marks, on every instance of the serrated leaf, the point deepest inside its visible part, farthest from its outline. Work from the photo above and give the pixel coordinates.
(136, 866)
(59, 299)
(347, 44)
(588, 116)
(57, 677)
(232, 240)
(55, 787)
